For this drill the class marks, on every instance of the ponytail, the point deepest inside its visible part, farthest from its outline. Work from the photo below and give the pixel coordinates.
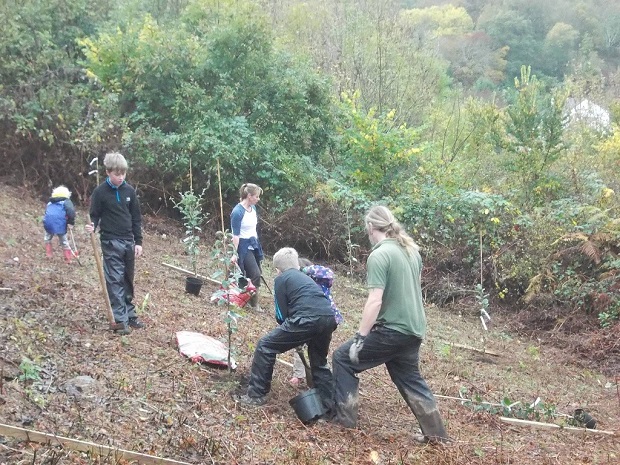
(382, 219)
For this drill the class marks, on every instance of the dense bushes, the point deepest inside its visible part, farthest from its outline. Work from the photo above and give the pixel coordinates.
(501, 191)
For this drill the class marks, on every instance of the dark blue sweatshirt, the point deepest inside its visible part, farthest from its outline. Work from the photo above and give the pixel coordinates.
(117, 212)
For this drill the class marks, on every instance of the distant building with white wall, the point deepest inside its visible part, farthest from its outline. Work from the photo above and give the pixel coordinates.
(588, 113)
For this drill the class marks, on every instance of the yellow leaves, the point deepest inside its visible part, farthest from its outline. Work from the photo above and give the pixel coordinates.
(149, 28)
(441, 20)
(606, 193)
(90, 75)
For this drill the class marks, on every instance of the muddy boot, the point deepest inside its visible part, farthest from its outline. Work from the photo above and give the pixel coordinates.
(68, 256)
(433, 430)
(48, 250)
(254, 303)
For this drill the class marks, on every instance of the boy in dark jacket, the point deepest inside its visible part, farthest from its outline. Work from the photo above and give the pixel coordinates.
(115, 209)
(324, 277)
(59, 215)
(304, 316)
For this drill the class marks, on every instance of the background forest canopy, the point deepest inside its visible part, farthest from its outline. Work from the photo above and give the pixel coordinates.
(489, 126)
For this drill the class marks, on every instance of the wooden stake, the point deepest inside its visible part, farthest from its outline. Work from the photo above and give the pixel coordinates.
(537, 424)
(84, 446)
(104, 288)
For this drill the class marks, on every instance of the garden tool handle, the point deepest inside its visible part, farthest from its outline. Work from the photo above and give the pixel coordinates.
(104, 288)
(74, 250)
(302, 356)
(265, 282)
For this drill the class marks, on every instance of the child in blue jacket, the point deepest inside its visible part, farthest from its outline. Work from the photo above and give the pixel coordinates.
(59, 215)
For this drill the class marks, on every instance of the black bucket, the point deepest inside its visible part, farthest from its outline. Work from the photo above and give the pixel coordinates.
(193, 285)
(307, 405)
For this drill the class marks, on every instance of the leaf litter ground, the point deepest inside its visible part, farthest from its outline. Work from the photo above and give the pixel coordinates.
(149, 399)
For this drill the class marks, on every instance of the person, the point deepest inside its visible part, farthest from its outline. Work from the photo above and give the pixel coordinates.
(115, 209)
(324, 277)
(391, 330)
(59, 216)
(304, 316)
(243, 222)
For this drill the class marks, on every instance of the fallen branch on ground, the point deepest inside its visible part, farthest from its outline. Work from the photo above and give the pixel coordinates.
(461, 346)
(84, 446)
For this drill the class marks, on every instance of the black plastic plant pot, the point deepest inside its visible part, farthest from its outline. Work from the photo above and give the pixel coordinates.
(193, 285)
(584, 418)
(307, 405)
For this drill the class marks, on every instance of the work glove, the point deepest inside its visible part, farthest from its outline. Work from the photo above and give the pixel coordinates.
(356, 347)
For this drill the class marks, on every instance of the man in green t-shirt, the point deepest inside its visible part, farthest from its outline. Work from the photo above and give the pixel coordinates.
(391, 330)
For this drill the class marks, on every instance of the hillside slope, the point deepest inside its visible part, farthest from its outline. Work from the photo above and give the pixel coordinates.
(149, 399)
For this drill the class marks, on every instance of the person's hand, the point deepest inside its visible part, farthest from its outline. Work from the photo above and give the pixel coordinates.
(356, 347)
(70, 226)
(89, 228)
(234, 259)
(137, 250)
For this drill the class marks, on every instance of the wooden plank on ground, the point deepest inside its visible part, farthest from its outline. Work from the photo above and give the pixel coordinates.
(84, 446)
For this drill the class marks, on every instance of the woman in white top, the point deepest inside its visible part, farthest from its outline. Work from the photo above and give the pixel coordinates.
(243, 221)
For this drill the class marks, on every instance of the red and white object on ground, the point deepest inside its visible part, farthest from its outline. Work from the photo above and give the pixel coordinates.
(203, 349)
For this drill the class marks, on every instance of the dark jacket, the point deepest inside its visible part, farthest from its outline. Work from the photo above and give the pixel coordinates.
(297, 296)
(117, 212)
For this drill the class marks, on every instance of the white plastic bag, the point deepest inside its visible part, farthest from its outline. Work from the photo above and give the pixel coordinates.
(200, 348)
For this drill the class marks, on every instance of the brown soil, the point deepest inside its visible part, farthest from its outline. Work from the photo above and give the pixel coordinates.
(151, 400)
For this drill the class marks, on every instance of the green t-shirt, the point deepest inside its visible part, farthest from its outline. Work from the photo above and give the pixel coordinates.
(390, 268)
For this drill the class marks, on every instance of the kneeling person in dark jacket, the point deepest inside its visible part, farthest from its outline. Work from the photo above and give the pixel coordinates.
(305, 317)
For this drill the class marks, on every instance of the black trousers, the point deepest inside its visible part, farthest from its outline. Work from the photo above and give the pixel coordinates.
(400, 354)
(119, 266)
(317, 333)
(251, 268)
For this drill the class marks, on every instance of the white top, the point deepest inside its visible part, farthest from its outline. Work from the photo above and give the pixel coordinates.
(248, 225)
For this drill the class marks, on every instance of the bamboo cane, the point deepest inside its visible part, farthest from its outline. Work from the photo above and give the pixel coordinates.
(182, 270)
(538, 424)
